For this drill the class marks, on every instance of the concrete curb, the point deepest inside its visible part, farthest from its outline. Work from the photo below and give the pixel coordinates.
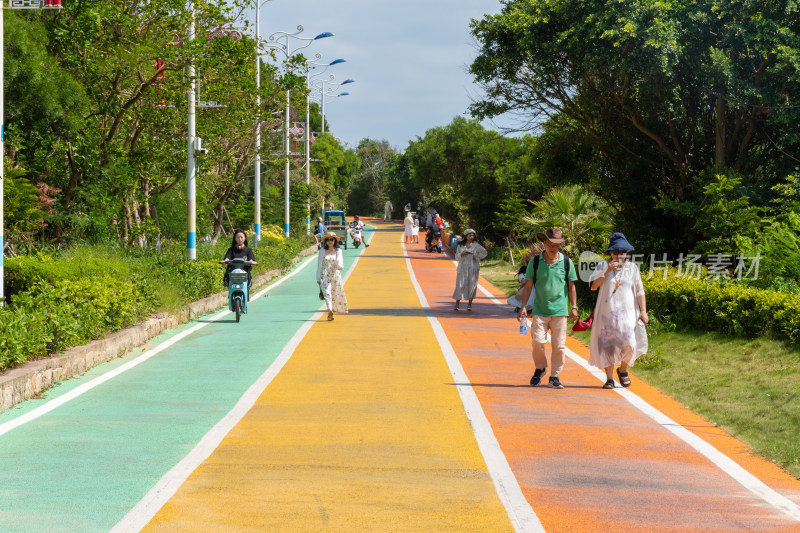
(26, 381)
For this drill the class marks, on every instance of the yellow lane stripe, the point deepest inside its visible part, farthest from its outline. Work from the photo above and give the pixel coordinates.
(362, 430)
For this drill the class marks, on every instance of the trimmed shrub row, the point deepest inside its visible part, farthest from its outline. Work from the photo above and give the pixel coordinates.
(51, 317)
(55, 303)
(722, 305)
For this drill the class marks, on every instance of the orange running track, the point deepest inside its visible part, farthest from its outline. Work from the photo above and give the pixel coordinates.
(585, 458)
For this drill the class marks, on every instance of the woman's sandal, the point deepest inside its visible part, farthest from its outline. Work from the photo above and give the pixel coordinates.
(469, 307)
(330, 315)
(609, 384)
(624, 380)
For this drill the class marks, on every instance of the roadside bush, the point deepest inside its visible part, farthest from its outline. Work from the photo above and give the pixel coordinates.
(51, 317)
(57, 302)
(22, 273)
(724, 306)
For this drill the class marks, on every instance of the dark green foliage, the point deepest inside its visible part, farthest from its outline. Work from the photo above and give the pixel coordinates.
(22, 273)
(22, 209)
(57, 302)
(728, 307)
(725, 213)
(466, 171)
(645, 102)
(51, 317)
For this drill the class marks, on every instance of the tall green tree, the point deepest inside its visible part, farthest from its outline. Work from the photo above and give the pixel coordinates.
(128, 147)
(465, 171)
(369, 191)
(664, 93)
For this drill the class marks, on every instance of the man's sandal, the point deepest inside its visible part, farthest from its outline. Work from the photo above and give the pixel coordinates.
(624, 380)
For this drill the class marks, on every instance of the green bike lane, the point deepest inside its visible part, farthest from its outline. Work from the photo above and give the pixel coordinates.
(86, 463)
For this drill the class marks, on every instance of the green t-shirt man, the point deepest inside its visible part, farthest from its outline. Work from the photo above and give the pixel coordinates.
(551, 288)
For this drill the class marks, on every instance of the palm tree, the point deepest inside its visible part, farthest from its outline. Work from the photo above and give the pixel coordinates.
(584, 218)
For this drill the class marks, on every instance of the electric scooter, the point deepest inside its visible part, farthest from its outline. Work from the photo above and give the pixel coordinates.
(238, 287)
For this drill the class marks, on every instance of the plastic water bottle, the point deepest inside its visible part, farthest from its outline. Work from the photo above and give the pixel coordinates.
(523, 325)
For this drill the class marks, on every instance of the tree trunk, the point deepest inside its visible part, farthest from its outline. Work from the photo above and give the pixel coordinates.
(126, 223)
(719, 152)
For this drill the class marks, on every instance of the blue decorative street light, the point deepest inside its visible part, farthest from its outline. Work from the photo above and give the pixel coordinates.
(314, 65)
(285, 47)
(329, 90)
(257, 162)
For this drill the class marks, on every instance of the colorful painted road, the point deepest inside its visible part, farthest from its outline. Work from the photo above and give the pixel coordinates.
(401, 416)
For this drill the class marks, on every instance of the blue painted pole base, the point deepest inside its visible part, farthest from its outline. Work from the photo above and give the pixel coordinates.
(191, 244)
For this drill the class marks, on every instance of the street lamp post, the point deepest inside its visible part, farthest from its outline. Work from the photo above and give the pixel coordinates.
(13, 4)
(323, 90)
(191, 156)
(257, 162)
(309, 78)
(285, 47)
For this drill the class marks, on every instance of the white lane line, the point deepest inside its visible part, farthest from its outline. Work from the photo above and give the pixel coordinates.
(166, 487)
(55, 403)
(725, 463)
(520, 512)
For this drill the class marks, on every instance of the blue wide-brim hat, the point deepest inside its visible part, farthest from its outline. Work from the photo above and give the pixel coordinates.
(618, 242)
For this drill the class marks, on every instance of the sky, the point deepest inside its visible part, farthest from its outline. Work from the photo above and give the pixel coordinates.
(409, 59)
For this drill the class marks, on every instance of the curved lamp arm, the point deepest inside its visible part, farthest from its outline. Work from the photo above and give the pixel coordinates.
(274, 40)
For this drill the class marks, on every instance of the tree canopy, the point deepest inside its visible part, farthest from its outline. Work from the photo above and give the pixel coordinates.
(659, 95)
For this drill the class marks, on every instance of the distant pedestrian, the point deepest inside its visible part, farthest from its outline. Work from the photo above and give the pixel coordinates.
(620, 311)
(437, 220)
(330, 262)
(319, 230)
(407, 209)
(415, 230)
(469, 254)
(553, 276)
(387, 210)
(408, 223)
(429, 217)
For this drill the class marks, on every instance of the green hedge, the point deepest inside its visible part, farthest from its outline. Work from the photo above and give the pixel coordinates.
(57, 302)
(190, 280)
(723, 305)
(21, 273)
(51, 317)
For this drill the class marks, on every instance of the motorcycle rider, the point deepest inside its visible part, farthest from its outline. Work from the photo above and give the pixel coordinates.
(357, 230)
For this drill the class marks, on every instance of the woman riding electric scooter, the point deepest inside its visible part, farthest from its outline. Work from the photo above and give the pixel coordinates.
(239, 250)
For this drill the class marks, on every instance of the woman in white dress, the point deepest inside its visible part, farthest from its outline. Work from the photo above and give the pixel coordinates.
(618, 335)
(468, 254)
(330, 262)
(415, 231)
(408, 222)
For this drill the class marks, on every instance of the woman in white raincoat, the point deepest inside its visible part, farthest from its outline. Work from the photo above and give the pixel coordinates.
(618, 334)
(468, 254)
